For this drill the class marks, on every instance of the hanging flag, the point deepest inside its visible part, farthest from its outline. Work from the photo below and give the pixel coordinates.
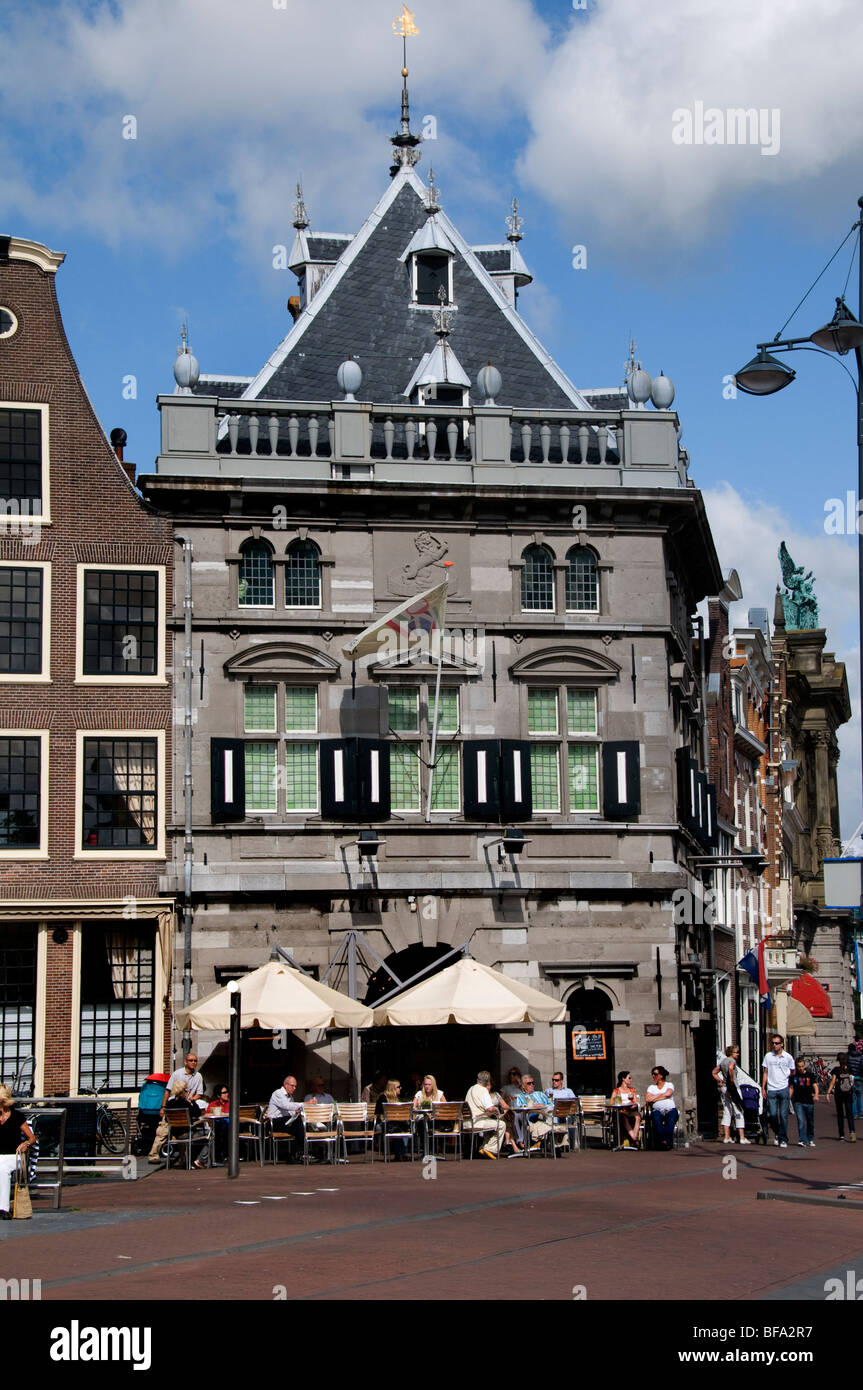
(425, 614)
(763, 981)
(749, 963)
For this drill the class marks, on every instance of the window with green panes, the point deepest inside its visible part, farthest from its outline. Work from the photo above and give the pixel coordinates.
(583, 777)
(404, 705)
(260, 707)
(260, 776)
(581, 711)
(301, 777)
(545, 776)
(404, 777)
(301, 709)
(542, 711)
(446, 793)
(447, 718)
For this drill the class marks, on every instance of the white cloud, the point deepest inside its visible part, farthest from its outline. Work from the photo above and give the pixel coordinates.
(602, 150)
(747, 536)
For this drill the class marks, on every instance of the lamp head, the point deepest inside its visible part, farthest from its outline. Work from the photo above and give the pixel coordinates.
(841, 334)
(764, 375)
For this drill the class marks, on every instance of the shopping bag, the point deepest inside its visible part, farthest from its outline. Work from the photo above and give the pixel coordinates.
(22, 1207)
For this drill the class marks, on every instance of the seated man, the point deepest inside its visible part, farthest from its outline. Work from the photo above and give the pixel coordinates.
(560, 1092)
(285, 1113)
(537, 1105)
(317, 1095)
(485, 1115)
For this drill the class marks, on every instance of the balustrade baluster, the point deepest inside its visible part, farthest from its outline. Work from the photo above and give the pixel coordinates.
(564, 443)
(602, 441)
(452, 439)
(583, 443)
(389, 436)
(254, 427)
(545, 439)
(233, 430)
(431, 437)
(471, 441)
(526, 440)
(293, 434)
(273, 430)
(410, 437)
(313, 436)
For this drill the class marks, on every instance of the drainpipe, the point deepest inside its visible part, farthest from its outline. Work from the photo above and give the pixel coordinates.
(188, 848)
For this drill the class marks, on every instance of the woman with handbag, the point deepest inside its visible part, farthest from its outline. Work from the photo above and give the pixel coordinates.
(13, 1125)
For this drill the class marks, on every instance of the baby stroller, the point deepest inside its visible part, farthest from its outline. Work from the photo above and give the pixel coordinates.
(149, 1105)
(754, 1109)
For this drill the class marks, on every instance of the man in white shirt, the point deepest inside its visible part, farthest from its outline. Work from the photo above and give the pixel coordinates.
(192, 1077)
(317, 1095)
(560, 1092)
(286, 1114)
(485, 1115)
(776, 1069)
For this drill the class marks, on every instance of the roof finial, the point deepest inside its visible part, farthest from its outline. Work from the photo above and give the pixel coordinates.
(433, 196)
(515, 224)
(405, 142)
(301, 216)
(442, 317)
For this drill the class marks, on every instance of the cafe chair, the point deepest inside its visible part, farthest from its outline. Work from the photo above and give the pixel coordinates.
(566, 1120)
(398, 1124)
(446, 1127)
(356, 1128)
(181, 1136)
(321, 1128)
(594, 1118)
(275, 1137)
(252, 1129)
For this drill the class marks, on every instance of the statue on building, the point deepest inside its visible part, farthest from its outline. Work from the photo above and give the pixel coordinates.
(798, 600)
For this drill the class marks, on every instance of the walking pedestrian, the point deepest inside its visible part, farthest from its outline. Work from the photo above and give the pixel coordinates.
(776, 1070)
(855, 1066)
(724, 1074)
(803, 1090)
(841, 1088)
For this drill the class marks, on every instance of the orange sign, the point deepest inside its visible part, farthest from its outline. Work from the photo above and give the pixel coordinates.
(588, 1046)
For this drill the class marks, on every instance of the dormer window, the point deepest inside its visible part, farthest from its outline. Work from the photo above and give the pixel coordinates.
(431, 270)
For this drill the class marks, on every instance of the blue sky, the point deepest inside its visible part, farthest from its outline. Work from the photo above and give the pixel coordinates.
(697, 251)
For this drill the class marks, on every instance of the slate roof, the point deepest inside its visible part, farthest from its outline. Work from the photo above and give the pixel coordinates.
(326, 248)
(364, 310)
(494, 258)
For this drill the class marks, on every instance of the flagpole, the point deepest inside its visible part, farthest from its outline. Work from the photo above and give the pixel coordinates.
(434, 722)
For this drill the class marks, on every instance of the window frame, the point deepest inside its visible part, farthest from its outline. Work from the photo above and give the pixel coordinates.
(438, 254)
(44, 676)
(244, 546)
(294, 545)
(588, 550)
(11, 855)
(117, 736)
(160, 677)
(420, 740)
(44, 518)
(563, 740)
(522, 568)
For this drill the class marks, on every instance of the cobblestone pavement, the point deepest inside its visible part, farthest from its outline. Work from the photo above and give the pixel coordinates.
(596, 1224)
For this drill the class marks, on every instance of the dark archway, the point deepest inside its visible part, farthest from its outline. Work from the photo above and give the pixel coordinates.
(589, 1008)
(452, 1052)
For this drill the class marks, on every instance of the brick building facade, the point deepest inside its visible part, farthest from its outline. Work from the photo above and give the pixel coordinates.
(85, 719)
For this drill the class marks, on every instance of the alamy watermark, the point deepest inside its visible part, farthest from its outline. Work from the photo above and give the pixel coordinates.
(736, 125)
(16, 520)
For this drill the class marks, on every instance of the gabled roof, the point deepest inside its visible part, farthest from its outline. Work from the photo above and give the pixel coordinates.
(364, 310)
(438, 367)
(430, 237)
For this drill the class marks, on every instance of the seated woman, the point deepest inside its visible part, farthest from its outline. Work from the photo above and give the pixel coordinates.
(660, 1098)
(427, 1096)
(624, 1098)
(217, 1113)
(503, 1102)
(390, 1096)
(179, 1100)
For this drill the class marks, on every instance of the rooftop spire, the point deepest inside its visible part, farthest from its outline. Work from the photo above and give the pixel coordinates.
(515, 224)
(442, 317)
(433, 203)
(301, 216)
(404, 141)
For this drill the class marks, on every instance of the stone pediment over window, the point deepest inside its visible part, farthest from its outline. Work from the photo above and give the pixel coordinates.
(282, 661)
(561, 664)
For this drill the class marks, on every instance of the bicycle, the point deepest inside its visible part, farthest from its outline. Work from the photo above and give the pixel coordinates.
(110, 1130)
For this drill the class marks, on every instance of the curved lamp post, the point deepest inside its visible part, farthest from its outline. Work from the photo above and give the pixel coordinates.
(765, 375)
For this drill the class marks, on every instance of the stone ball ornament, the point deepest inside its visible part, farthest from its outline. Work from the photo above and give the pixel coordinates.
(489, 381)
(662, 393)
(639, 386)
(350, 377)
(186, 369)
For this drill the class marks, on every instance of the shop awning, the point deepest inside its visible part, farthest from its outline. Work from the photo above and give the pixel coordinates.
(277, 996)
(793, 1017)
(813, 996)
(468, 992)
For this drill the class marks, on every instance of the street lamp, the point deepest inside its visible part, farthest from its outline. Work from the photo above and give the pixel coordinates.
(765, 375)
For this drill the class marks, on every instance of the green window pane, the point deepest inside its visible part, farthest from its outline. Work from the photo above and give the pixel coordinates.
(445, 788)
(404, 777)
(301, 709)
(545, 777)
(584, 778)
(260, 707)
(404, 710)
(581, 711)
(447, 719)
(301, 776)
(542, 711)
(256, 576)
(260, 777)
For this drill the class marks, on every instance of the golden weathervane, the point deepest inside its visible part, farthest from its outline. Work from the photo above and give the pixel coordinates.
(404, 26)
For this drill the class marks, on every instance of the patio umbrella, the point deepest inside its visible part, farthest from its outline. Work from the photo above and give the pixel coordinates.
(468, 992)
(793, 1017)
(277, 996)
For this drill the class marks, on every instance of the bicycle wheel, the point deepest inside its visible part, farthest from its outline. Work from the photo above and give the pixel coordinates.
(112, 1132)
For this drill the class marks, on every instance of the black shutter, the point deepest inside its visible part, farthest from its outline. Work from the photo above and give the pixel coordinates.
(688, 811)
(227, 779)
(373, 779)
(621, 780)
(516, 797)
(703, 809)
(339, 799)
(711, 838)
(481, 764)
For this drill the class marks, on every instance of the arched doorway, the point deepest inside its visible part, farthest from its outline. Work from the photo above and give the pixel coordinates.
(589, 1009)
(452, 1052)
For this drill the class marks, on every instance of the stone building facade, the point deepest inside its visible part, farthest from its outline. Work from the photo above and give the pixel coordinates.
(85, 719)
(570, 800)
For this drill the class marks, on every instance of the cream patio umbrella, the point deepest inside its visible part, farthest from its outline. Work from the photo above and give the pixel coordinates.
(277, 996)
(468, 992)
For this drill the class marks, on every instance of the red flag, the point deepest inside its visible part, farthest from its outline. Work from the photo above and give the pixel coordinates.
(763, 981)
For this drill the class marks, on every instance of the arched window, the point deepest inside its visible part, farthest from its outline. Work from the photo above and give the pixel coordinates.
(537, 580)
(582, 590)
(256, 575)
(303, 575)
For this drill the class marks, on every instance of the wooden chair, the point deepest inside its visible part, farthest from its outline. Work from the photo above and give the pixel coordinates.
(398, 1124)
(566, 1118)
(181, 1135)
(321, 1128)
(252, 1129)
(446, 1126)
(593, 1116)
(356, 1113)
(275, 1137)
